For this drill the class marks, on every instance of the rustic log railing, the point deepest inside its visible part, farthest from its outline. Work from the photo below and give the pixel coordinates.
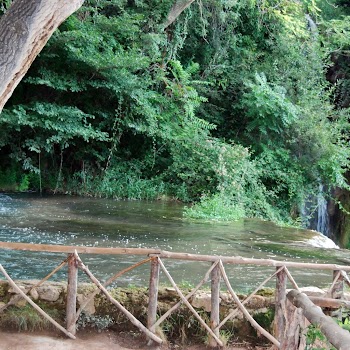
(336, 335)
(287, 322)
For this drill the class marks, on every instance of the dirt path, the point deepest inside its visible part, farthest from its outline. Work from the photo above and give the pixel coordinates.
(27, 341)
(85, 341)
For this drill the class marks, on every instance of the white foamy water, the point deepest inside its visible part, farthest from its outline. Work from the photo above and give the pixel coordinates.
(321, 241)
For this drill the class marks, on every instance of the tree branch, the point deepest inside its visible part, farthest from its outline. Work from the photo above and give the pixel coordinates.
(176, 11)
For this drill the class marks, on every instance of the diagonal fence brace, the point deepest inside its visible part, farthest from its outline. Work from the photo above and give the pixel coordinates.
(129, 315)
(186, 302)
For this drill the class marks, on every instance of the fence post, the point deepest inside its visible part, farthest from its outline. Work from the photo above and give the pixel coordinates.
(293, 338)
(153, 294)
(71, 307)
(280, 305)
(337, 291)
(215, 305)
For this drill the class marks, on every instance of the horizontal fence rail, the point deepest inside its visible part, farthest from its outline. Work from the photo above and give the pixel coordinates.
(238, 260)
(288, 323)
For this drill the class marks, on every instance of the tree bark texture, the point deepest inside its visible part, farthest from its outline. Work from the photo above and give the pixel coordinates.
(215, 305)
(167, 255)
(280, 302)
(176, 10)
(337, 336)
(24, 30)
(72, 287)
(153, 295)
(293, 338)
(337, 291)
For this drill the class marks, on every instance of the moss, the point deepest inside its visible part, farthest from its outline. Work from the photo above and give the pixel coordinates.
(345, 233)
(86, 288)
(266, 292)
(3, 289)
(265, 319)
(135, 301)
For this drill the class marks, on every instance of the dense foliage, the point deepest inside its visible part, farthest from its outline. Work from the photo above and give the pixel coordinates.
(228, 107)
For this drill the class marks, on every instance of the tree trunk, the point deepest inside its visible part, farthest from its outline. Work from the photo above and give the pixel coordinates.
(24, 30)
(336, 335)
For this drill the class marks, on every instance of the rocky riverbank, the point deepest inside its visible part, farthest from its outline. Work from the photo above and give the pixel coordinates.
(99, 314)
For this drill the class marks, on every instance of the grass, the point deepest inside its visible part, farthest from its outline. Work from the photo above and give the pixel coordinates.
(27, 319)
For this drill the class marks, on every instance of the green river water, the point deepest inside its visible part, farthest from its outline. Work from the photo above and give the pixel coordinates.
(69, 220)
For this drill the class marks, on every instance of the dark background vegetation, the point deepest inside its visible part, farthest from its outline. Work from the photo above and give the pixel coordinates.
(239, 106)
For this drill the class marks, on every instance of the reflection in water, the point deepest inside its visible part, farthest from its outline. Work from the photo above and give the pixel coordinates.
(109, 223)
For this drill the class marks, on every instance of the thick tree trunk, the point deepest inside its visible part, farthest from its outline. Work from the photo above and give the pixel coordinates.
(337, 336)
(24, 30)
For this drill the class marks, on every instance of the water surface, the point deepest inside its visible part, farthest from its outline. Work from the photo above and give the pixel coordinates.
(79, 221)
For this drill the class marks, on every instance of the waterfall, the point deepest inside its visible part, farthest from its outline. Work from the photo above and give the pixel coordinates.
(322, 213)
(315, 212)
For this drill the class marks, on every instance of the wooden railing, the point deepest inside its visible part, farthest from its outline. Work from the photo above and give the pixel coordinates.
(281, 338)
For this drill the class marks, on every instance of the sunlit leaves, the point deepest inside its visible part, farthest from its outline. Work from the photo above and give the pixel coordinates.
(52, 124)
(267, 107)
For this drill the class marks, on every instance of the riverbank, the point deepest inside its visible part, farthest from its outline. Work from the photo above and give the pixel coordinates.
(101, 326)
(181, 326)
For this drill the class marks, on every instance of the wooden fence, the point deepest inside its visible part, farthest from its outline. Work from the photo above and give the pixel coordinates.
(287, 320)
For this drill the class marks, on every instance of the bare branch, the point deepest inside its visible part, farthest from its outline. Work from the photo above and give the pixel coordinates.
(176, 11)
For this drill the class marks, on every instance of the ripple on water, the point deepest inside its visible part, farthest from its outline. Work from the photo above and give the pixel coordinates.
(97, 222)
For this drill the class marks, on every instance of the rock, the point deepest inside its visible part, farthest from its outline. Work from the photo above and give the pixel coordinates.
(18, 301)
(171, 291)
(34, 294)
(202, 300)
(226, 297)
(256, 302)
(313, 291)
(49, 292)
(13, 291)
(89, 307)
(21, 303)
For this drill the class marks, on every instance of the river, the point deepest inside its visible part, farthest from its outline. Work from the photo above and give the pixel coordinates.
(67, 220)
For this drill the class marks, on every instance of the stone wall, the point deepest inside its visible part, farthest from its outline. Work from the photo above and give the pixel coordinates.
(53, 296)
